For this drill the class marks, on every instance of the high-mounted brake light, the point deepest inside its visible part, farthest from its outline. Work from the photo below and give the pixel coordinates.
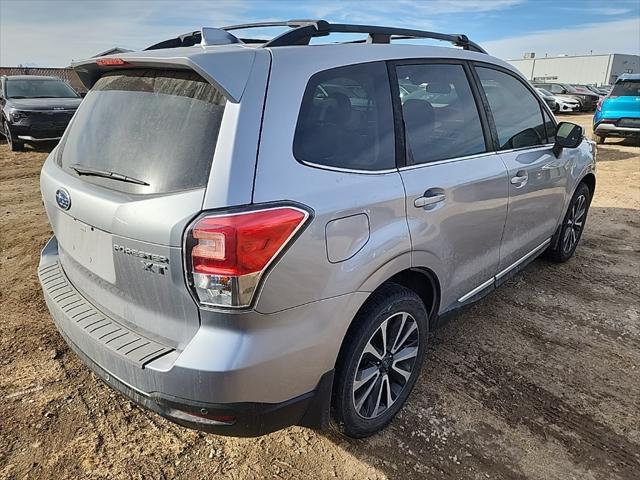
(229, 253)
(104, 62)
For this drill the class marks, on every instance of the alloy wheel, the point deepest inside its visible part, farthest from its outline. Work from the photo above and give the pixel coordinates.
(575, 223)
(385, 365)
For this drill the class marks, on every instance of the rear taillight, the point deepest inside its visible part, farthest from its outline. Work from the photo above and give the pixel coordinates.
(228, 253)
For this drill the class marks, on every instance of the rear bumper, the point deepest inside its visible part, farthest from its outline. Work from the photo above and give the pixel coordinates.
(159, 378)
(612, 130)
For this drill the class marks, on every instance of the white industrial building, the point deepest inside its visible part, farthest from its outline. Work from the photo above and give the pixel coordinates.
(583, 69)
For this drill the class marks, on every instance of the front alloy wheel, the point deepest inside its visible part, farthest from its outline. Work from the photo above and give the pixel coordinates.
(566, 239)
(575, 223)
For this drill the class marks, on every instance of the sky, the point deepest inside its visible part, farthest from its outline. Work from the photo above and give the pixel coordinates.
(52, 33)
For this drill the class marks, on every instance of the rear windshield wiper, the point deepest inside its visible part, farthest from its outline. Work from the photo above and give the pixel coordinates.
(81, 170)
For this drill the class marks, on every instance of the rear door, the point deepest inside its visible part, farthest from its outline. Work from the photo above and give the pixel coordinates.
(456, 188)
(537, 179)
(126, 179)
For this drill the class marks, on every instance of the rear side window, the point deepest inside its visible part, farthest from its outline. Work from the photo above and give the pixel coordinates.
(159, 127)
(441, 119)
(346, 119)
(626, 88)
(516, 112)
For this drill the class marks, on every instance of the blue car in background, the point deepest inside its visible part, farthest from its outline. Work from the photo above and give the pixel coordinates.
(618, 114)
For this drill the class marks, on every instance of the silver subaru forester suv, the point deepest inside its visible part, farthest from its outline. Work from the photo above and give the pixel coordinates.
(252, 234)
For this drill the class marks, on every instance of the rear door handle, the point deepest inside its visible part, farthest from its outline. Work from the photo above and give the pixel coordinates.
(428, 199)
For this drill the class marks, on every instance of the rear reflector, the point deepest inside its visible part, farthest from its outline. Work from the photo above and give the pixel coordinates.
(111, 62)
(202, 418)
(230, 252)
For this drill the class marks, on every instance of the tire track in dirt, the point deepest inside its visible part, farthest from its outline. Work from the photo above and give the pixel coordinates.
(519, 401)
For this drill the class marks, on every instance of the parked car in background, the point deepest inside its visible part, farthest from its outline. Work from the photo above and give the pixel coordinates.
(618, 114)
(549, 99)
(587, 99)
(560, 104)
(231, 299)
(35, 108)
(597, 90)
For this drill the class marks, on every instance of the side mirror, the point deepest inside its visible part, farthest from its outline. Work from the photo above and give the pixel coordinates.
(568, 135)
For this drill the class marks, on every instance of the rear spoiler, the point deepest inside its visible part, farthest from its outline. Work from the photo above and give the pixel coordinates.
(228, 67)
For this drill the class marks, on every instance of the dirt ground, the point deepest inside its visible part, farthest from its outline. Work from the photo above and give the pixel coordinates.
(540, 380)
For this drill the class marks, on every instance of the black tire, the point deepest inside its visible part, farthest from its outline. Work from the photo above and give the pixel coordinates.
(563, 247)
(14, 145)
(403, 313)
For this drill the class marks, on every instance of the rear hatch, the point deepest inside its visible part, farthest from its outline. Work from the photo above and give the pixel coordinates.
(623, 103)
(126, 179)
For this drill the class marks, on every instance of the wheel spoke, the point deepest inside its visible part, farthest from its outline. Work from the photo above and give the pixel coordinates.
(403, 373)
(370, 349)
(367, 393)
(405, 354)
(363, 376)
(387, 384)
(566, 240)
(400, 329)
(376, 407)
(410, 329)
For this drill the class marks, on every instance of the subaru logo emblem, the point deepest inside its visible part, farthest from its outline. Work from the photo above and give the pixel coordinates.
(63, 199)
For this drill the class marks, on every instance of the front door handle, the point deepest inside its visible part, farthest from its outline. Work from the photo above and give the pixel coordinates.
(428, 200)
(520, 179)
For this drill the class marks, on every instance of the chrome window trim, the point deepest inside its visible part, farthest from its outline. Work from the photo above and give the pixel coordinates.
(530, 149)
(347, 170)
(448, 160)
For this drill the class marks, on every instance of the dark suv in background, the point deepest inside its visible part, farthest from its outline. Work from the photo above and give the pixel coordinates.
(35, 108)
(588, 101)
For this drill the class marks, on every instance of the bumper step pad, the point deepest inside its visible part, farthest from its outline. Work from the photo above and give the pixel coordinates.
(81, 314)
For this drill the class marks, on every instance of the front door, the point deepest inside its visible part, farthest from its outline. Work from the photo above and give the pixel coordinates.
(537, 179)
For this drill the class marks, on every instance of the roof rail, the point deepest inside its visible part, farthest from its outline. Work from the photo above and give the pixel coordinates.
(302, 34)
(302, 31)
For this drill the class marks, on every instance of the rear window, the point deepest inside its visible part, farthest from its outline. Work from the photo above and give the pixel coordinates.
(157, 128)
(346, 120)
(626, 88)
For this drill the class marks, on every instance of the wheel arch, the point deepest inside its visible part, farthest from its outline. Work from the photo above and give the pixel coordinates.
(421, 280)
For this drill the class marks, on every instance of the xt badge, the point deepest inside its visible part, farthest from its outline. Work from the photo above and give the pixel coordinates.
(154, 267)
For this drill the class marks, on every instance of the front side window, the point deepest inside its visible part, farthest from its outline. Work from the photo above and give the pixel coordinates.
(346, 119)
(441, 119)
(516, 112)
